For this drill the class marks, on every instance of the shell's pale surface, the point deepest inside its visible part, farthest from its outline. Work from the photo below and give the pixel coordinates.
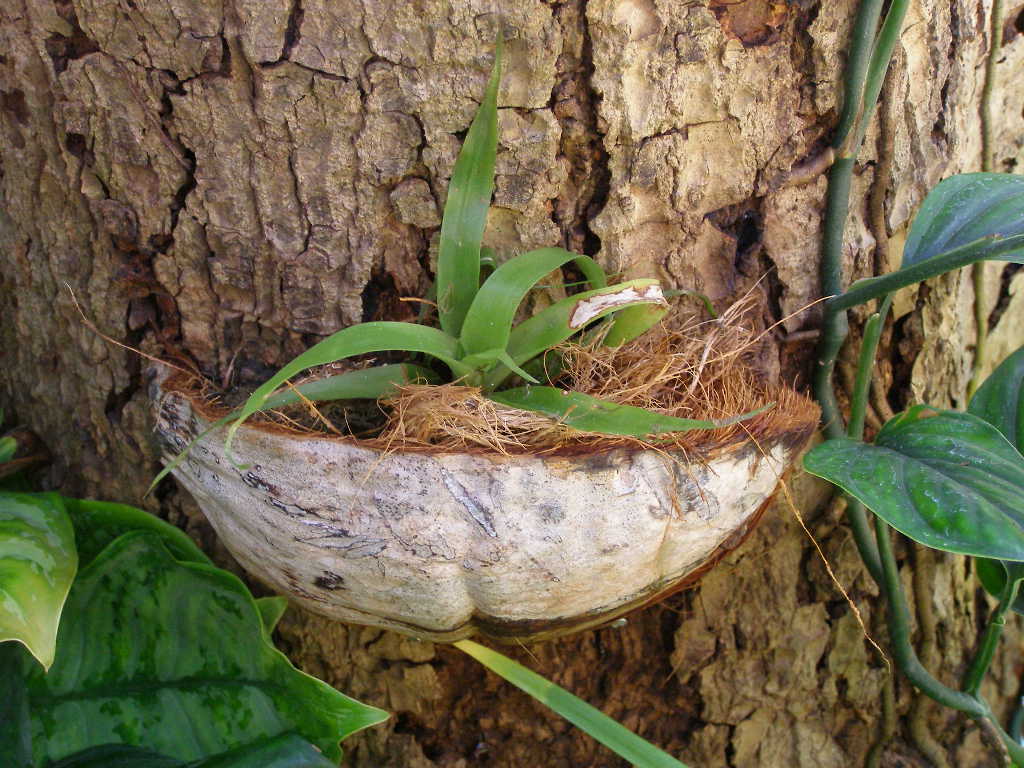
(443, 546)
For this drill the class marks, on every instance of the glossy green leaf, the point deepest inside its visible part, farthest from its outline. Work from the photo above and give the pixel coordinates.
(349, 342)
(15, 739)
(592, 721)
(563, 319)
(465, 210)
(285, 751)
(993, 575)
(488, 322)
(1000, 400)
(172, 656)
(37, 565)
(591, 414)
(368, 383)
(966, 218)
(119, 755)
(948, 480)
(98, 523)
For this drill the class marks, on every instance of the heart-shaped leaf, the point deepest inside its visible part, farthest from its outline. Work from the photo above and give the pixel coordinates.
(173, 656)
(1000, 402)
(37, 566)
(966, 218)
(993, 575)
(948, 480)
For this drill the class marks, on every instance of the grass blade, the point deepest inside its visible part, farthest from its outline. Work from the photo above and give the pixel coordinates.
(549, 328)
(488, 322)
(465, 210)
(591, 414)
(370, 383)
(361, 339)
(617, 738)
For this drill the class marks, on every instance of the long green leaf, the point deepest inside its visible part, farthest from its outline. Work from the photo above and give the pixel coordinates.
(37, 565)
(173, 656)
(349, 342)
(967, 218)
(632, 322)
(553, 325)
(948, 480)
(592, 721)
(488, 322)
(1000, 402)
(465, 210)
(369, 383)
(591, 414)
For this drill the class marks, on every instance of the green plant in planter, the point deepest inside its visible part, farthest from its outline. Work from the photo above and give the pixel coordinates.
(477, 339)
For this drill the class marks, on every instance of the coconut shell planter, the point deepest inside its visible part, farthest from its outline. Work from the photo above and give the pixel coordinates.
(527, 543)
(526, 477)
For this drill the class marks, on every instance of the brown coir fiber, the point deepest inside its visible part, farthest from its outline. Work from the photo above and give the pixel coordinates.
(688, 369)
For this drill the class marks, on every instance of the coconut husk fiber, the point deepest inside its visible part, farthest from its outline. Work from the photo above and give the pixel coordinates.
(686, 367)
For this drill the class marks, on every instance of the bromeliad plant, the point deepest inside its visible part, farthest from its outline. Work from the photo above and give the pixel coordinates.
(478, 340)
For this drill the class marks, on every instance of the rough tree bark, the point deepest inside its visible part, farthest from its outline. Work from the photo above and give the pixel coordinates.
(230, 180)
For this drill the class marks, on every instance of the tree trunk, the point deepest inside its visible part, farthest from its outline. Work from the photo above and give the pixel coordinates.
(228, 181)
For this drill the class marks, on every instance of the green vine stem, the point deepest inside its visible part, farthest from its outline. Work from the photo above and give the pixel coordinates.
(990, 640)
(987, 161)
(865, 73)
(906, 658)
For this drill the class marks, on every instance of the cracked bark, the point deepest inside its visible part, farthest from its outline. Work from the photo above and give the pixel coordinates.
(231, 180)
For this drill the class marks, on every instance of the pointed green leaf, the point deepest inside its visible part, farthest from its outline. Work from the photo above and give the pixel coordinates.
(946, 479)
(172, 656)
(465, 210)
(1000, 400)
(488, 322)
(563, 319)
(592, 721)
(349, 342)
(98, 523)
(966, 218)
(37, 565)
(271, 610)
(591, 414)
